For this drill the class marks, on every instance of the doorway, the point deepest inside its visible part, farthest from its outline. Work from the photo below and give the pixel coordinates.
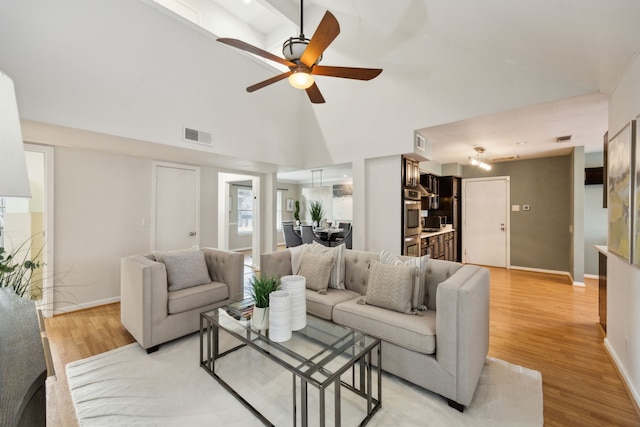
(485, 213)
(176, 217)
(29, 223)
(239, 215)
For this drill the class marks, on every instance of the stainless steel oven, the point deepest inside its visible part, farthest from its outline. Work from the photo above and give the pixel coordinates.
(412, 205)
(411, 246)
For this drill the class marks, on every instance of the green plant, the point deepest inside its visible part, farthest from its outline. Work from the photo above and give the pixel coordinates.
(296, 213)
(16, 268)
(260, 289)
(316, 211)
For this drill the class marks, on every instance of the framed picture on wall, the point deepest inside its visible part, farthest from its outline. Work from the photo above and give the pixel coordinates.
(620, 184)
(635, 235)
(289, 205)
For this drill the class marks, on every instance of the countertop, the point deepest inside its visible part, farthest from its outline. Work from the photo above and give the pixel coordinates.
(446, 229)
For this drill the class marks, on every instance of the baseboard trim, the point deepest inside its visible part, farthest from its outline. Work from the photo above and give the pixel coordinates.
(85, 305)
(542, 270)
(626, 378)
(591, 276)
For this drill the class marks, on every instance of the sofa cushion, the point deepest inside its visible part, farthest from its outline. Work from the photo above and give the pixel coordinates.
(419, 285)
(186, 269)
(336, 280)
(322, 305)
(196, 296)
(417, 333)
(316, 269)
(391, 286)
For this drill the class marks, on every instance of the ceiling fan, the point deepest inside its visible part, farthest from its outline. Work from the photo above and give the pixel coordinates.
(302, 55)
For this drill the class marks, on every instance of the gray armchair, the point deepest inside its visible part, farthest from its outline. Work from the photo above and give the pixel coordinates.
(291, 237)
(154, 312)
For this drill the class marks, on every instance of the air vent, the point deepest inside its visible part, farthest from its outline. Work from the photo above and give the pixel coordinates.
(561, 139)
(505, 158)
(193, 135)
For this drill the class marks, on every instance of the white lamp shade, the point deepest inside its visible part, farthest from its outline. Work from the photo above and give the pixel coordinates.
(14, 181)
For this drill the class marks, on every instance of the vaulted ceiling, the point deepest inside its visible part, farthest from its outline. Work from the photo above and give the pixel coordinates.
(580, 45)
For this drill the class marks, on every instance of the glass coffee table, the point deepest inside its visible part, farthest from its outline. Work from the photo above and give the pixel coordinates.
(318, 354)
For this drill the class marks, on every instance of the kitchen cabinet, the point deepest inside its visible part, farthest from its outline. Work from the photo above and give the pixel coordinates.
(440, 246)
(411, 171)
(431, 182)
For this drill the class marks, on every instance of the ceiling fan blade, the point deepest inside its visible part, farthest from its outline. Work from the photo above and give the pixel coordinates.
(267, 82)
(346, 72)
(314, 94)
(327, 31)
(239, 44)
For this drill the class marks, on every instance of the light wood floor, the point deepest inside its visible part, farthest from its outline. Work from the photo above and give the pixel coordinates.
(538, 321)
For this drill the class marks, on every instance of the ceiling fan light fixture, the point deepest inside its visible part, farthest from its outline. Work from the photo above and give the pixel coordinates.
(301, 78)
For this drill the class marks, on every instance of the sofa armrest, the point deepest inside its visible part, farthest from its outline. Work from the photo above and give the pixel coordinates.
(276, 264)
(226, 267)
(462, 325)
(143, 296)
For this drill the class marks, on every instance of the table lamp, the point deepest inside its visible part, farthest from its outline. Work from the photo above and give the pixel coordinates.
(14, 181)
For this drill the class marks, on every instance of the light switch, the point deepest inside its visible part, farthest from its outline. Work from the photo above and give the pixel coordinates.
(515, 208)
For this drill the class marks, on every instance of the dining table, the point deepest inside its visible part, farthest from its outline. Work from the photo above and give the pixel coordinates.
(323, 233)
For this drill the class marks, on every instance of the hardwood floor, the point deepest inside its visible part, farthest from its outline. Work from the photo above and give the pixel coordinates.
(537, 320)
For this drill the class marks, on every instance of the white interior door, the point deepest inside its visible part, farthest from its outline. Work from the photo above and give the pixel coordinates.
(485, 212)
(176, 206)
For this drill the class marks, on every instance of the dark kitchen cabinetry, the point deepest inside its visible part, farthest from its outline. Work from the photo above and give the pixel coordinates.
(411, 172)
(450, 206)
(430, 182)
(441, 246)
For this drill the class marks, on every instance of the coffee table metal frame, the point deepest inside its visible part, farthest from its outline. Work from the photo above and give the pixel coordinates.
(361, 347)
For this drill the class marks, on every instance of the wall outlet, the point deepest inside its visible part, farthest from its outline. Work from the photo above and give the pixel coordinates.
(526, 207)
(145, 221)
(626, 345)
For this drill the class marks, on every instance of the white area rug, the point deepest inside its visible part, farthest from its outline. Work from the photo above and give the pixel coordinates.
(128, 387)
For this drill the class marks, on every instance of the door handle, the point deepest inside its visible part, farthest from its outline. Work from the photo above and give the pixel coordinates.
(193, 233)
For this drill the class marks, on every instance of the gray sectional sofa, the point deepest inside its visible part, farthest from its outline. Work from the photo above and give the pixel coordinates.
(442, 349)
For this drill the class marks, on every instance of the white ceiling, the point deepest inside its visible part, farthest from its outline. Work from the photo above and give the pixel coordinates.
(582, 44)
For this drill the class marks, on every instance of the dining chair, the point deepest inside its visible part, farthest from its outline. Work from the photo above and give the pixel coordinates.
(347, 239)
(308, 236)
(291, 238)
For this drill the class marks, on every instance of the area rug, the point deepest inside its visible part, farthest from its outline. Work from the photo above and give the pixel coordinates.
(128, 387)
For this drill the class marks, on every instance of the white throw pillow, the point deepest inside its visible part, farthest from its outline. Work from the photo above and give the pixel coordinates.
(419, 287)
(296, 256)
(336, 280)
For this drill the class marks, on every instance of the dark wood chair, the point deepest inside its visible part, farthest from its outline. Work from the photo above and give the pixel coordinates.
(308, 236)
(345, 238)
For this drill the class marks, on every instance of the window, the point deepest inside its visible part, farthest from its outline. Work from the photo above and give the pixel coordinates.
(279, 210)
(245, 210)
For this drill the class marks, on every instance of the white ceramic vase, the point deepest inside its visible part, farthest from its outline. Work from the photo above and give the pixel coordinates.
(260, 318)
(279, 316)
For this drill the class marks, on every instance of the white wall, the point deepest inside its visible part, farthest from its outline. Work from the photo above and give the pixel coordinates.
(101, 199)
(383, 205)
(623, 280)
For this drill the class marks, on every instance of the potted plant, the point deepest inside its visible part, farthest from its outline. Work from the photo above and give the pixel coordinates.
(16, 269)
(296, 213)
(260, 289)
(316, 211)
